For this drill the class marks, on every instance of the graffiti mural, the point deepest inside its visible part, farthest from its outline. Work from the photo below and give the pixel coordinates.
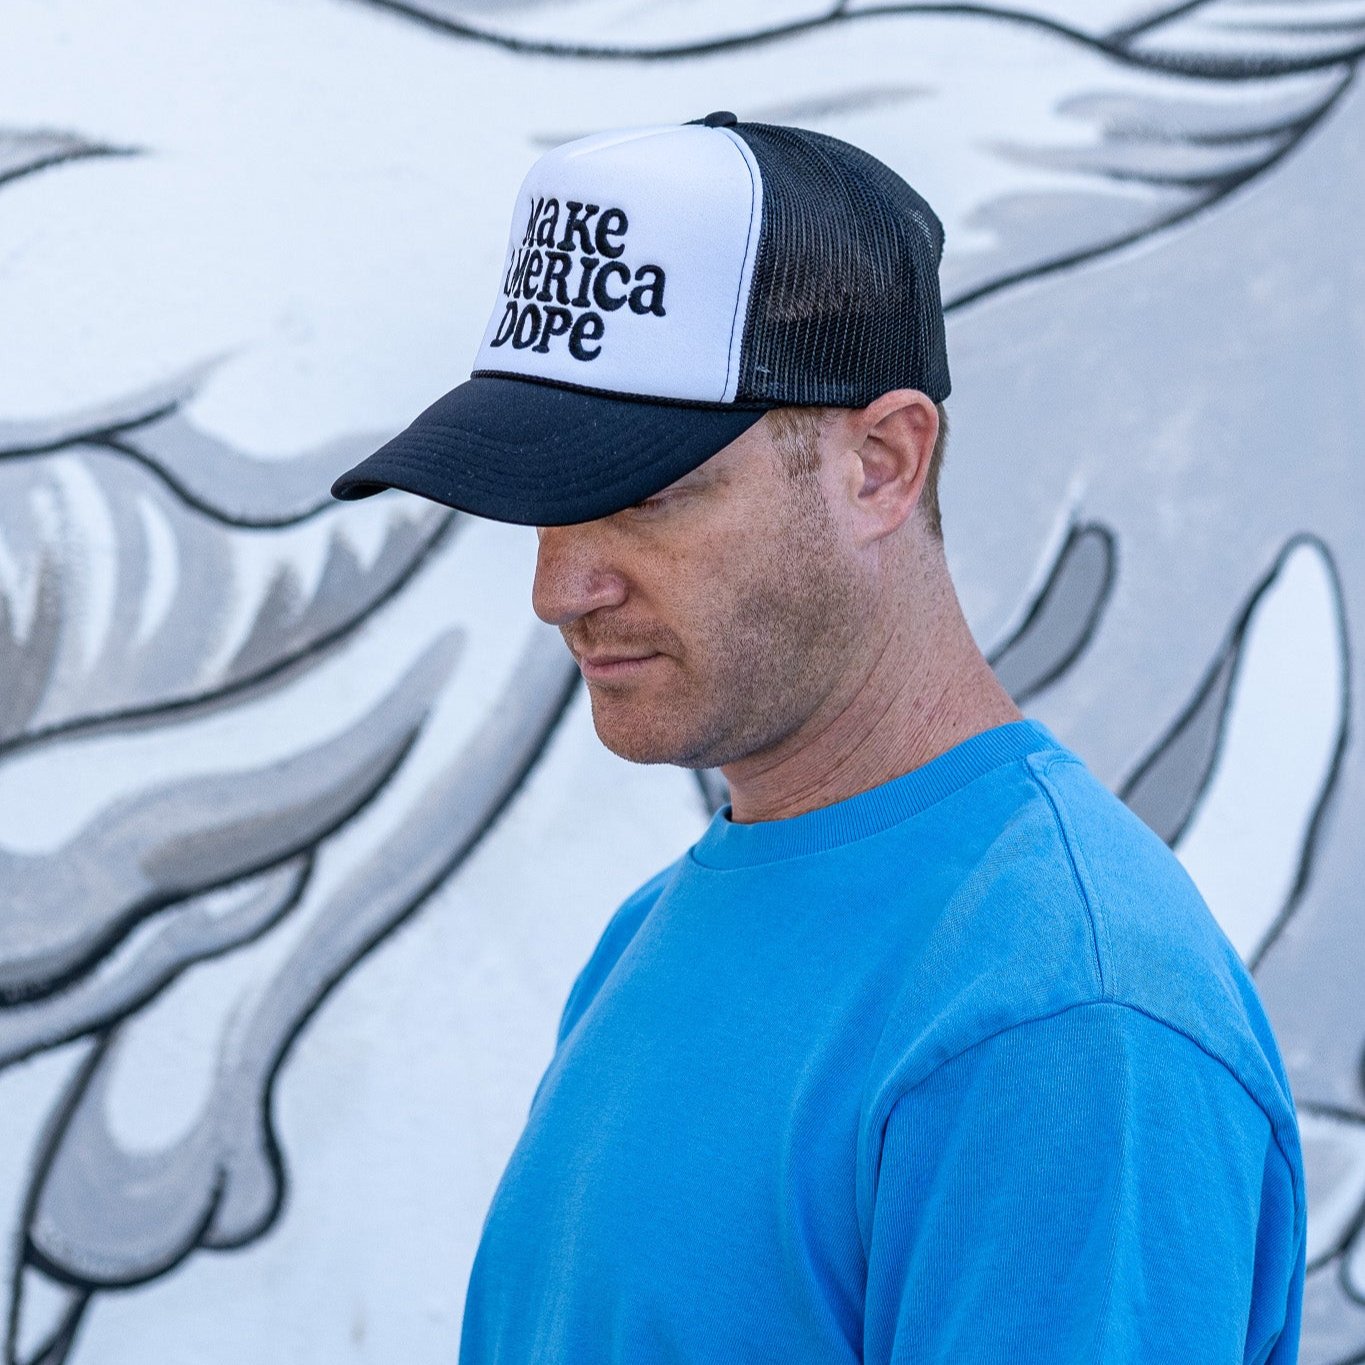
(304, 831)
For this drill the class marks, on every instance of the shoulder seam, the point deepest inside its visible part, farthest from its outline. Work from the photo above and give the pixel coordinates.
(1156, 1019)
(1039, 775)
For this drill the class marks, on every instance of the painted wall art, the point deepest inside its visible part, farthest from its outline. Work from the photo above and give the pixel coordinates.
(304, 828)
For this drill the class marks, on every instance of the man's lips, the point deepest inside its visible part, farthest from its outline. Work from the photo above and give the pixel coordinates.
(613, 665)
(604, 658)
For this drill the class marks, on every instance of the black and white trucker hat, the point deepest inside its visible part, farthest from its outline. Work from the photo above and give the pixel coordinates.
(663, 288)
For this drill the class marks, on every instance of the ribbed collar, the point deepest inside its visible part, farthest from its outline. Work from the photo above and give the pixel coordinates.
(725, 844)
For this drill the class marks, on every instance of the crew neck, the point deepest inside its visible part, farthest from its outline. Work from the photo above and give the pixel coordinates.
(727, 844)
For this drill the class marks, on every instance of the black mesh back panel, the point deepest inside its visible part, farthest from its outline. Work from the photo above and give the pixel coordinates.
(845, 299)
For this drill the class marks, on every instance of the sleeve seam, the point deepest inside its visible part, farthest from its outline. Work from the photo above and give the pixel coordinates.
(1098, 929)
(1135, 1009)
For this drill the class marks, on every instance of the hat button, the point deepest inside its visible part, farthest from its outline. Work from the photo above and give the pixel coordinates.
(722, 118)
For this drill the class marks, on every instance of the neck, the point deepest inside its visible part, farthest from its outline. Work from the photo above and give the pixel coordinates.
(922, 687)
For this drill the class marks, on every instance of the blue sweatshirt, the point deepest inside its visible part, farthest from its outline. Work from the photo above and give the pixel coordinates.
(958, 1070)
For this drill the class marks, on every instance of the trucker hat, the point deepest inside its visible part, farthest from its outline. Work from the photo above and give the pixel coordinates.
(663, 288)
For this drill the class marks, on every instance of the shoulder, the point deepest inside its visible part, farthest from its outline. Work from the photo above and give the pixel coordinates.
(1076, 911)
(1159, 946)
(621, 928)
(1144, 907)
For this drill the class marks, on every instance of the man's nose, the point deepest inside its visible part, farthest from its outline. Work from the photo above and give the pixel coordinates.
(574, 574)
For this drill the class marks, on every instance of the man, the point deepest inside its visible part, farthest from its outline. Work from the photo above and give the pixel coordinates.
(928, 1050)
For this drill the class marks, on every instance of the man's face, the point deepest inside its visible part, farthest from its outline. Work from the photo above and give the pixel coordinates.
(734, 581)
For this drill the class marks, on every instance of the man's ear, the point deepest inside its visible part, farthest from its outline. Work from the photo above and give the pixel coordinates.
(897, 433)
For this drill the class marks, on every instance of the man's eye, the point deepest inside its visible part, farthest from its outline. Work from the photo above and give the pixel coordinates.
(650, 503)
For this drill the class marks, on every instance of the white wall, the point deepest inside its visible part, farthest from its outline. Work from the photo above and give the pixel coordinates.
(304, 829)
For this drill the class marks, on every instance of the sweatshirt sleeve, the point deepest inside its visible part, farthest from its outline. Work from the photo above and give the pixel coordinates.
(1090, 1186)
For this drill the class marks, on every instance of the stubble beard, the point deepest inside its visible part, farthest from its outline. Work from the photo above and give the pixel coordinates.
(762, 667)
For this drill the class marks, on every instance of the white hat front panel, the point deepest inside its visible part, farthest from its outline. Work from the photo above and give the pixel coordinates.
(629, 263)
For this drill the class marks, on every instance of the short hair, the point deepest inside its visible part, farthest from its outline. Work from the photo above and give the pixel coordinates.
(797, 430)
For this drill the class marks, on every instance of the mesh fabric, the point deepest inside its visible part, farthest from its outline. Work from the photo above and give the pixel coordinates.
(845, 301)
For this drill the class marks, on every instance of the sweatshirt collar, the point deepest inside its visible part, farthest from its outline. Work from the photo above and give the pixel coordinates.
(725, 844)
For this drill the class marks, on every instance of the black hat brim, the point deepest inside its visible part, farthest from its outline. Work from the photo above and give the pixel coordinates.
(539, 454)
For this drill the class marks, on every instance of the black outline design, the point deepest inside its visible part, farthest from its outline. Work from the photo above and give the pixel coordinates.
(48, 1146)
(278, 669)
(1222, 672)
(118, 929)
(76, 149)
(1116, 45)
(1079, 536)
(107, 437)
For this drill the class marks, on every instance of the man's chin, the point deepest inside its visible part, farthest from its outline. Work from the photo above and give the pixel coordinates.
(637, 748)
(643, 739)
